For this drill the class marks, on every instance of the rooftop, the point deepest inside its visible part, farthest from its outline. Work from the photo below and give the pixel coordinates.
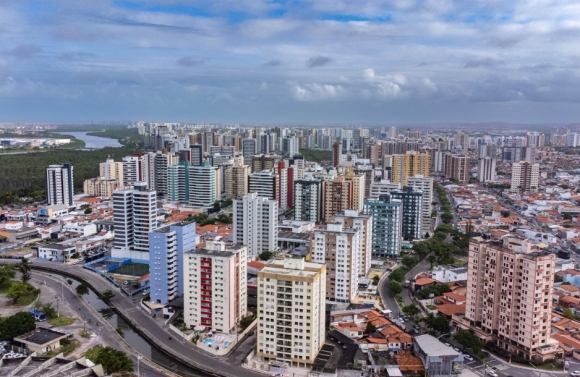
(433, 347)
(41, 336)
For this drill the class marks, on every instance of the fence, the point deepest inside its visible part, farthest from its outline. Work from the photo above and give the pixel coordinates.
(123, 262)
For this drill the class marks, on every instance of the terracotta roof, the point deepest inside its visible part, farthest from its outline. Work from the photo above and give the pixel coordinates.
(569, 288)
(455, 296)
(450, 309)
(566, 339)
(568, 272)
(256, 265)
(408, 362)
(377, 341)
(570, 300)
(425, 281)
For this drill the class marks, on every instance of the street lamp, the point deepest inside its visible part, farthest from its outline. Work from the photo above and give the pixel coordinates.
(539, 371)
(138, 364)
(57, 310)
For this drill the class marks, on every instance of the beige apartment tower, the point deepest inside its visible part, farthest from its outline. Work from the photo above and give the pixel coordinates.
(291, 311)
(352, 218)
(358, 189)
(236, 179)
(509, 296)
(112, 170)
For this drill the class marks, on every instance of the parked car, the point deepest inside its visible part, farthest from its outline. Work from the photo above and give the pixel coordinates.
(468, 357)
(448, 345)
(576, 373)
(456, 349)
(491, 373)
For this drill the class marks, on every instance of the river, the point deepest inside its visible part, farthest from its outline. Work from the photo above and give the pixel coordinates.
(94, 142)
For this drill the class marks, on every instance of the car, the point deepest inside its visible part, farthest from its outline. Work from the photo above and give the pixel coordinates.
(468, 357)
(448, 345)
(278, 375)
(576, 373)
(491, 373)
(456, 349)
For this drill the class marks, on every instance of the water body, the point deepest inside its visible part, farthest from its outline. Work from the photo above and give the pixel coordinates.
(94, 142)
(136, 340)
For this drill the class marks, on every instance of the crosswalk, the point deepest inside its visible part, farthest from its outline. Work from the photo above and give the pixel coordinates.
(133, 309)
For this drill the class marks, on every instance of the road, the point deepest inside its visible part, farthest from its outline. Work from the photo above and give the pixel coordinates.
(107, 334)
(139, 318)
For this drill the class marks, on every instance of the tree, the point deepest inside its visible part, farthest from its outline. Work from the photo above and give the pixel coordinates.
(568, 216)
(113, 360)
(82, 289)
(431, 259)
(69, 281)
(395, 286)
(568, 313)
(409, 261)
(446, 217)
(399, 273)
(468, 340)
(6, 273)
(88, 211)
(376, 280)
(437, 323)
(266, 255)
(48, 310)
(370, 328)
(411, 310)
(24, 268)
(17, 324)
(107, 295)
(17, 290)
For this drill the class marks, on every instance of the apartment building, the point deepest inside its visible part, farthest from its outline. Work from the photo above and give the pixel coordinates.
(236, 178)
(403, 166)
(215, 293)
(509, 296)
(337, 196)
(412, 211)
(263, 162)
(167, 246)
(265, 183)
(486, 171)
(112, 170)
(255, 224)
(135, 215)
(382, 187)
(351, 218)
(100, 187)
(286, 176)
(59, 184)
(178, 182)
(308, 200)
(525, 177)
(249, 149)
(457, 167)
(162, 163)
(291, 311)
(423, 185)
(339, 248)
(204, 185)
(358, 189)
(387, 226)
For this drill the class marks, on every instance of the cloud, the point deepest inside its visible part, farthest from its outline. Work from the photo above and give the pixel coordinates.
(25, 51)
(76, 55)
(273, 63)
(318, 61)
(188, 61)
(316, 92)
(486, 63)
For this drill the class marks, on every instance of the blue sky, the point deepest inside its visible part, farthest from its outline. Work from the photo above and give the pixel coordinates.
(299, 62)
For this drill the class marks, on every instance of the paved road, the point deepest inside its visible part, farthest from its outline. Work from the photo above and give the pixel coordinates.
(107, 334)
(142, 320)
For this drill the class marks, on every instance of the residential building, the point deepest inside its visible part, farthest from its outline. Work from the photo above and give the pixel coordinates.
(336, 153)
(337, 196)
(486, 172)
(339, 248)
(509, 296)
(265, 183)
(351, 218)
(215, 286)
(255, 224)
(308, 200)
(291, 311)
(263, 162)
(196, 154)
(236, 178)
(387, 227)
(249, 148)
(178, 183)
(135, 215)
(525, 177)
(358, 189)
(407, 165)
(457, 167)
(290, 146)
(162, 163)
(112, 170)
(167, 246)
(423, 185)
(59, 184)
(204, 185)
(381, 187)
(285, 184)
(449, 274)
(412, 211)
(100, 187)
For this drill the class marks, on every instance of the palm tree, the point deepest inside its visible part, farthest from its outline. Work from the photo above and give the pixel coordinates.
(24, 267)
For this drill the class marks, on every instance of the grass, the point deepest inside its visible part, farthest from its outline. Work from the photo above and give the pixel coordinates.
(26, 299)
(84, 334)
(431, 307)
(132, 269)
(93, 353)
(61, 321)
(5, 285)
(68, 346)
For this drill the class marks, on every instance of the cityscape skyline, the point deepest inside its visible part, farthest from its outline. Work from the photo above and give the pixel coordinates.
(289, 62)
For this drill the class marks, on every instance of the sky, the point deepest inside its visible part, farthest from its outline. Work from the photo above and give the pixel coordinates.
(294, 62)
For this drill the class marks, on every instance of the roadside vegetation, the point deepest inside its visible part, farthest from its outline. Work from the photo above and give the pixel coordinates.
(316, 155)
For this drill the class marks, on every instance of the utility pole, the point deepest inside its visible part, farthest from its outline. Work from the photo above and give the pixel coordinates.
(57, 310)
(138, 365)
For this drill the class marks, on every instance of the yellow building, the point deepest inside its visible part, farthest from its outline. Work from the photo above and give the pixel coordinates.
(358, 187)
(408, 165)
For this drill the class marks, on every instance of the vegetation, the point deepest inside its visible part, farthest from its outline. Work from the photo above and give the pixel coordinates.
(316, 155)
(266, 255)
(435, 289)
(107, 296)
(20, 290)
(398, 273)
(447, 216)
(24, 268)
(61, 321)
(82, 289)
(16, 325)
(411, 310)
(6, 273)
(395, 286)
(111, 359)
(84, 334)
(376, 280)
(409, 261)
(247, 321)
(370, 328)
(437, 323)
(468, 340)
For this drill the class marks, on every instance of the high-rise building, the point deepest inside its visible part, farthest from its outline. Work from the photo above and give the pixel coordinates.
(290, 146)
(337, 196)
(100, 187)
(112, 170)
(407, 165)
(178, 182)
(371, 151)
(215, 286)
(204, 185)
(135, 215)
(423, 185)
(285, 185)
(457, 167)
(291, 311)
(166, 248)
(196, 154)
(162, 162)
(461, 139)
(236, 178)
(525, 177)
(382, 187)
(59, 184)
(486, 172)
(358, 189)
(336, 153)
(412, 211)
(509, 296)
(263, 162)
(364, 222)
(387, 227)
(256, 224)
(249, 148)
(308, 200)
(340, 249)
(265, 184)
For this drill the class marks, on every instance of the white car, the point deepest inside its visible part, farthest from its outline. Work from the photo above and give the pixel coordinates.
(491, 373)
(576, 373)
(468, 357)
(456, 349)
(448, 345)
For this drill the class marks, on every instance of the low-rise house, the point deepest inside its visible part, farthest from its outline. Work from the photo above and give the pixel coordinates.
(41, 340)
(56, 252)
(568, 290)
(438, 359)
(447, 274)
(82, 229)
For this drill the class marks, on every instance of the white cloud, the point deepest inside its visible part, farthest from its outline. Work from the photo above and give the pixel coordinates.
(316, 92)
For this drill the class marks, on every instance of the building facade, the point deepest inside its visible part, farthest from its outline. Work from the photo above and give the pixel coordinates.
(236, 179)
(265, 183)
(204, 185)
(486, 171)
(457, 167)
(100, 187)
(364, 223)
(424, 185)
(387, 227)
(337, 196)
(412, 211)
(112, 170)
(525, 177)
(255, 224)
(59, 184)
(308, 200)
